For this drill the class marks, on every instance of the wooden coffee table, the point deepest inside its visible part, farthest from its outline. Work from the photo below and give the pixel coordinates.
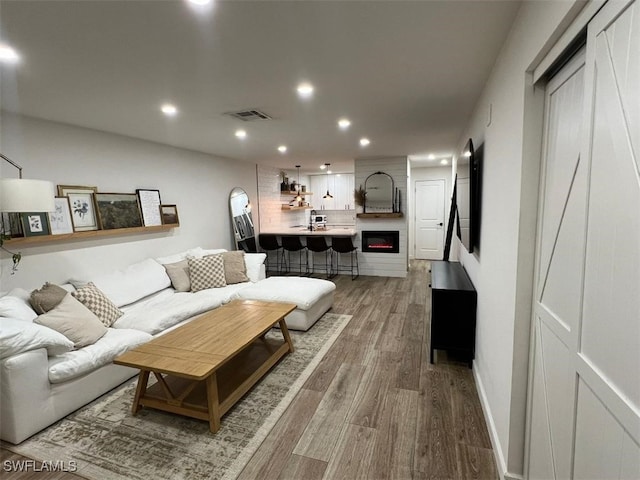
(204, 367)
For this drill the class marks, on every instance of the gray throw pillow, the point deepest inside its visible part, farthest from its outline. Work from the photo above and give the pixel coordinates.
(179, 274)
(75, 321)
(47, 298)
(235, 270)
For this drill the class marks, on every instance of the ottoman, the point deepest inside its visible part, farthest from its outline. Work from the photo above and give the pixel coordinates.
(312, 296)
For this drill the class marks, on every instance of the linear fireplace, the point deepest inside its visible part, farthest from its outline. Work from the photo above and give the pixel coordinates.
(381, 241)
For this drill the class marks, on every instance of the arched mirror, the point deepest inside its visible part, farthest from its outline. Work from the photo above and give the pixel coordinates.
(241, 220)
(380, 193)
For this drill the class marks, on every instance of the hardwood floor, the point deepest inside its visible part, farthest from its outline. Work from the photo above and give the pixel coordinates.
(375, 408)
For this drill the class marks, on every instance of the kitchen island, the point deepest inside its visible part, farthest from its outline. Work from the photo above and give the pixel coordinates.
(332, 231)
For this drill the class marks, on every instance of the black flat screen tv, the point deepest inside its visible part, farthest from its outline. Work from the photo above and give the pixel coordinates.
(469, 196)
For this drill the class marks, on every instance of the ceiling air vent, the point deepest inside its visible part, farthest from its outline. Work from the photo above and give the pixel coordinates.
(249, 115)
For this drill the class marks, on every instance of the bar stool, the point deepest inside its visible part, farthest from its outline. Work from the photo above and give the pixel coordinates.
(293, 244)
(318, 244)
(342, 245)
(269, 243)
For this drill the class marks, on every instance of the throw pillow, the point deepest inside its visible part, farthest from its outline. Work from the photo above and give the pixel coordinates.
(98, 303)
(18, 336)
(235, 270)
(179, 274)
(47, 298)
(12, 306)
(254, 262)
(206, 272)
(75, 321)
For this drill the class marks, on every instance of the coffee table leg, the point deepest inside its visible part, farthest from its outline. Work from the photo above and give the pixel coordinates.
(143, 379)
(285, 334)
(212, 401)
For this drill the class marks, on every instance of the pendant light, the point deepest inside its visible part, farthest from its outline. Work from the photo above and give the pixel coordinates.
(328, 195)
(298, 197)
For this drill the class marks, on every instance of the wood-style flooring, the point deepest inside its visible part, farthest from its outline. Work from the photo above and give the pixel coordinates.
(375, 408)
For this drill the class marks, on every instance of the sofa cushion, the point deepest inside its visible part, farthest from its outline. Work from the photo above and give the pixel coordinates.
(235, 269)
(206, 272)
(165, 309)
(179, 274)
(79, 362)
(75, 321)
(98, 303)
(128, 285)
(17, 336)
(302, 291)
(15, 305)
(253, 262)
(47, 298)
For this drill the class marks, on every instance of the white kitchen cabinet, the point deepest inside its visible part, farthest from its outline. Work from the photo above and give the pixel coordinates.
(341, 188)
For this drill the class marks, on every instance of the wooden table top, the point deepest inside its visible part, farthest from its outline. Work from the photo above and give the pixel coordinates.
(203, 345)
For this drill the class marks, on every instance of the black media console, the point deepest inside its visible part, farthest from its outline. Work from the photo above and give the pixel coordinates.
(453, 310)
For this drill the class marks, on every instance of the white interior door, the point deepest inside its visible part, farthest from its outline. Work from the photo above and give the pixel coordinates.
(429, 221)
(584, 401)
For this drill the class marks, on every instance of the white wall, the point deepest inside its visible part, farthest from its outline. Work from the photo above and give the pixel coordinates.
(502, 270)
(428, 173)
(197, 183)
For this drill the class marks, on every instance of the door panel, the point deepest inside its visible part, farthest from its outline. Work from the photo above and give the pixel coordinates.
(429, 225)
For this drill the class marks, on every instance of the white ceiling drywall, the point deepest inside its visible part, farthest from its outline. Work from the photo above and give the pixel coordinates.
(407, 74)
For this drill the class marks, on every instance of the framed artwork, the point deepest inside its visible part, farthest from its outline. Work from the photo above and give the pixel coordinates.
(60, 219)
(169, 214)
(12, 225)
(35, 224)
(118, 210)
(149, 206)
(82, 204)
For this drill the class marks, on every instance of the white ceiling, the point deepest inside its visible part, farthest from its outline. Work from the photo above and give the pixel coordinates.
(407, 74)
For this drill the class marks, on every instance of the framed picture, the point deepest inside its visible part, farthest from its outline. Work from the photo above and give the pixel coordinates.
(149, 203)
(118, 210)
(60, 219)
(35, 224)
(169, 214)
(82, 204)
(12, 225)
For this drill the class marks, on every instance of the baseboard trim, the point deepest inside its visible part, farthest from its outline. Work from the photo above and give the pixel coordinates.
(493, 434)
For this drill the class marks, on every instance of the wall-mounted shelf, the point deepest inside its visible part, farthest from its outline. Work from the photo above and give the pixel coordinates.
(380, 215)
(289, 208)
(89, 235)
(293, 192)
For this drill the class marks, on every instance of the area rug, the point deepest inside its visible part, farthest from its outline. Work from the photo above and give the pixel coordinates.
(107, 442)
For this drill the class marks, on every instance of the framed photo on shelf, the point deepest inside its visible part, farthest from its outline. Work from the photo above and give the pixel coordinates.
(12, 225)
(118, 210)
(60, 219)
(149, 206)
(35, 224)
(169, 214)
(82, 204)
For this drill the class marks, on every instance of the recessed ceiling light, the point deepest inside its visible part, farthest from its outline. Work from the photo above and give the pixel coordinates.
(322, 167)
(329, 171)
(200, 2)
(282, 149)
(8, 54)
(344, 123)
(169, 109)
(241, 134)
(431, 156)
(305, 90)
(444, 162)
(364, 142)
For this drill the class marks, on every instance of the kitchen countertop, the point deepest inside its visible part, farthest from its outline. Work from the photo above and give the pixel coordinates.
(332, 231)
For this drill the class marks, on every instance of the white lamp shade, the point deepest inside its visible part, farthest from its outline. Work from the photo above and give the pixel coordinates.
(20, 195)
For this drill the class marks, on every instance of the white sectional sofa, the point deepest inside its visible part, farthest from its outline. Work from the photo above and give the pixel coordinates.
(43, 379)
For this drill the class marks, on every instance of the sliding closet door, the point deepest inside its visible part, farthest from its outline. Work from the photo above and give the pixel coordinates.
(608, 361)
(584, 403)
(561, 245)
